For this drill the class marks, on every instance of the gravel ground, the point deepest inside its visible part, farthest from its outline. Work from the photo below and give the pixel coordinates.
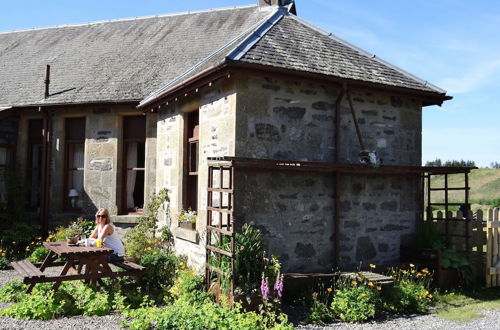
(420, 322)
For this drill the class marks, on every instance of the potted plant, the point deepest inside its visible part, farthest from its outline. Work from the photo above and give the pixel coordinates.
(187, 219)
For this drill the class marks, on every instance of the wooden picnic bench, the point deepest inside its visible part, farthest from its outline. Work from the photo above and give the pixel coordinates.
(89, 264)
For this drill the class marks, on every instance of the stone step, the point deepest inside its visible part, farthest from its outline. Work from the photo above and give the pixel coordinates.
(125, 219)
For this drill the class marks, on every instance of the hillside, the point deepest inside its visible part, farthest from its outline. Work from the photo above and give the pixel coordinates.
(484, 183)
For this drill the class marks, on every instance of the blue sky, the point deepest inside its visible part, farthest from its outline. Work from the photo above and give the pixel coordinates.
(453, 44)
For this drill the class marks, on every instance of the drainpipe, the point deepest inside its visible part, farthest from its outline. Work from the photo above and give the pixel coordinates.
(44, 193)
(46, 132)
(337, 176)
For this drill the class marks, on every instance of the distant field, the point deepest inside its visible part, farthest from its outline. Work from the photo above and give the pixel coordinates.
(484, 183)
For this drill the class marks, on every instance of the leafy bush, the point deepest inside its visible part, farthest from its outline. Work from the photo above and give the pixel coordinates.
(19, 238)
(410, 292)
(38, 255)
(142, 238)
(4, 263)
(208, 315)
(189, 286)
(159, 274)
(355, 303)
(72, 298)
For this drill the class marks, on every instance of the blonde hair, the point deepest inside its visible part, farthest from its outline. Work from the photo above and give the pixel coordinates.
(105, 212)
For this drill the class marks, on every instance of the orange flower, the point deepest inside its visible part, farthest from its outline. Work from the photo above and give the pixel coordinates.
(372, 266)
(329, 289)
(354, 282)
(378, 288)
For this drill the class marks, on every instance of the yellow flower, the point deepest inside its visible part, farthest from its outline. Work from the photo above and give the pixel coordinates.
(372, 266)
(419, 274)
(430, 296)
(403, 271)
(354, 282)
(314, 294)
(370, 284)
(27, 248)
(3, 254)
(363, 294)
(412, 265)
(329, 289)
(425, 270)
(451, 294)
(412, 271)
(149, 248)
(378, 288)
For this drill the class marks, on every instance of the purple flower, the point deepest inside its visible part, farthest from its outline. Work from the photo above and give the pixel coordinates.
(264, 287)
(278, 286)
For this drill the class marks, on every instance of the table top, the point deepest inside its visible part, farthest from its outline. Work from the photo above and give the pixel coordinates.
(63, 249)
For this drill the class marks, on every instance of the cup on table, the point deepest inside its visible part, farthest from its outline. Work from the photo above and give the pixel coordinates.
(98, 243)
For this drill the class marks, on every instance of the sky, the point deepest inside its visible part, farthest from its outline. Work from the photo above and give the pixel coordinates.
(454, 44)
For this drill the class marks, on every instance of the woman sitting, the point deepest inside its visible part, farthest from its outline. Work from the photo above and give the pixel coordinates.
(106, 232)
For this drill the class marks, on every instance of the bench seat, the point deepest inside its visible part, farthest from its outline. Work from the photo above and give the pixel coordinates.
(128, 265)
(27, 270)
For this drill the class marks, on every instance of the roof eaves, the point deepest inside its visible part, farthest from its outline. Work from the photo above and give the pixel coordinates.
(372, 56)
(176, 81)
(240, 50)
(5, 107)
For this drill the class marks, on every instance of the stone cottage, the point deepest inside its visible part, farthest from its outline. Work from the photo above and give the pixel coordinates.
(133, 106)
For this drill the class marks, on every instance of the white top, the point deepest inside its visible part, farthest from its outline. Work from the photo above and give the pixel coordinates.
(112, 241)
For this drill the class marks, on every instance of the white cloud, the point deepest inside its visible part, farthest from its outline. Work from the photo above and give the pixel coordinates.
(476, 77)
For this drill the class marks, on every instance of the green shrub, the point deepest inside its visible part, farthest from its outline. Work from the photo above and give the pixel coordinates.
(189, 286)
(40, 304)
(38, 255)
(142, 238)
(410, 292)
(208, 315)
(13, 291)
(4, 263)
(159, 274)
(355, 302)
(72, 298)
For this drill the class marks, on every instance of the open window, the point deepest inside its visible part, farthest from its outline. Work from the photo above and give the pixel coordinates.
(191, 158)
(74, 163)
(34, 165)
(134, 152)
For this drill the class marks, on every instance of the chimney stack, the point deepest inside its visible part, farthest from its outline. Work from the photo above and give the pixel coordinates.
(281, 3)
(264, 3)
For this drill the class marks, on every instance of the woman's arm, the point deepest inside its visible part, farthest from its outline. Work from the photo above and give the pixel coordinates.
(107, 230)
(94, 233)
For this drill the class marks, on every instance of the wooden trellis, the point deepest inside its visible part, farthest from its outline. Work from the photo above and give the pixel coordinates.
(220, 225)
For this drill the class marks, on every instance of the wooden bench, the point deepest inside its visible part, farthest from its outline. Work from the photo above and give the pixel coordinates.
(29, 271)
(128, 265)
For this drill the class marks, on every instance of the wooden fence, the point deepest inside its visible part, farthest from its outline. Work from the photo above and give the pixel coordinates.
(477, 235)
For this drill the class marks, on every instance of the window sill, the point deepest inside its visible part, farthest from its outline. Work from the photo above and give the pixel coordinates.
(190, 235)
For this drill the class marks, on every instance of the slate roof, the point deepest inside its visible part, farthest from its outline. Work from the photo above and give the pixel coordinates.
(145, 58)
(288, 42)
(114, 61)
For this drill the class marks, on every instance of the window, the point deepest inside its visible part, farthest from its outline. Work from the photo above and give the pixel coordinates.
(5, 161)
(191, 161)
(134, 138)
(74, 144)
(34, 173)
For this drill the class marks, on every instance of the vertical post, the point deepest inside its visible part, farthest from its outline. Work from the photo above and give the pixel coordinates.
(478, 223)
(447, 222)
(47, 82)
(337, 218)
(429, 207)
(208, 274)
(232, 219)
(489, 252)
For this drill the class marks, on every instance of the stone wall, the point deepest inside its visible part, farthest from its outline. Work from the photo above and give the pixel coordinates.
(216, 105)
(295, 120)
(103, 152)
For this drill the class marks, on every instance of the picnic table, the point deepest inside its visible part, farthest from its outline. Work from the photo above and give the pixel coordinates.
(89, 264)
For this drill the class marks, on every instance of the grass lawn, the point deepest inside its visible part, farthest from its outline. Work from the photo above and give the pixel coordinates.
(467, 306)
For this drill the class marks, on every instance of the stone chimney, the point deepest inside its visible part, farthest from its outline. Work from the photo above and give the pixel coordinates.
(264, 3)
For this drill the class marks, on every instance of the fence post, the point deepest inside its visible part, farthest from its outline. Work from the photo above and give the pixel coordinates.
(489, 249)
(479, 224)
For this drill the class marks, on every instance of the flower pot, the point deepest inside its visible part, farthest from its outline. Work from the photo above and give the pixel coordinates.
(188, 225)
(72, 240)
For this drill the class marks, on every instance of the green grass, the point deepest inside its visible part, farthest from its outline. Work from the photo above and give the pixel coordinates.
(484, 183)
(467, 306)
